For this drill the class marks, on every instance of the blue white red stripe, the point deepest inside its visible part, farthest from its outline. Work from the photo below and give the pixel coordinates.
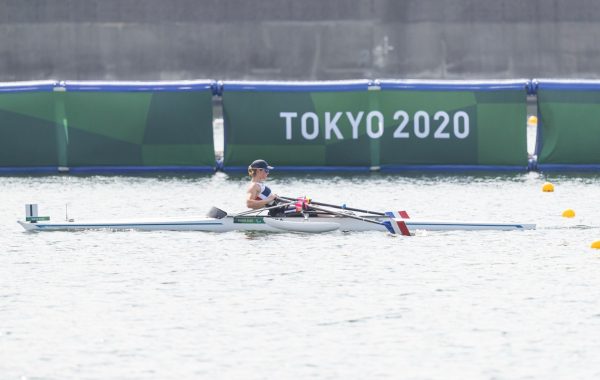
(397, 226)
(397, 214)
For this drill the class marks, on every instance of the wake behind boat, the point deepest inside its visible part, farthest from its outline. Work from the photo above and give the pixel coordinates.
(313, 222)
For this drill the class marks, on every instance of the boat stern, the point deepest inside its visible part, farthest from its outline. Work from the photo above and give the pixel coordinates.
(28, 226)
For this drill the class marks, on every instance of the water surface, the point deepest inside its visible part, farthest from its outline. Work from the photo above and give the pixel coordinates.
(165, 305)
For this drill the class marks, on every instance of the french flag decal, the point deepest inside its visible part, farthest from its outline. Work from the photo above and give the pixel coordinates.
(397, 214)
(396, 226)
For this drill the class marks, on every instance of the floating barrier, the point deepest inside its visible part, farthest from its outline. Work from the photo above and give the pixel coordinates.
(356, 125)
(568, 131)
(454, 125)
(29, 132)
(299, 125)
(139, 126)
(106, 126)
(376, 125)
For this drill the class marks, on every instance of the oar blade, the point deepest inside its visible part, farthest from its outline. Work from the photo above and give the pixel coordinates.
(397, 226)
(216, 213)
(397, 214)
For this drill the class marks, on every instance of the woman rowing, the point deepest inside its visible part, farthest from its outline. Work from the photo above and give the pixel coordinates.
(258, 194)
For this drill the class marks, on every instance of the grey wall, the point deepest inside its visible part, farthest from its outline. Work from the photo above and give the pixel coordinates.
(301, 39)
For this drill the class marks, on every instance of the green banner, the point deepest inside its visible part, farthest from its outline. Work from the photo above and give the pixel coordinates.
(375, 126)
(569, 122)
(124, 127)
(28, 128)
(450, 127)
(295, 128)
(85, 124)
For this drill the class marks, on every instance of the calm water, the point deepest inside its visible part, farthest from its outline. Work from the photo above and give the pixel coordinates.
(191, 305)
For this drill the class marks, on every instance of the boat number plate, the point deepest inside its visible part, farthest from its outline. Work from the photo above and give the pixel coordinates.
(36, 218)
(249, 219)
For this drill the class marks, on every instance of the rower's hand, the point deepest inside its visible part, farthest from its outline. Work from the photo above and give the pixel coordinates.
(271, 198)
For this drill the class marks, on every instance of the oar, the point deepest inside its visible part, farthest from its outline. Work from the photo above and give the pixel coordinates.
(217, 213)
(393, 226)
(264, 208)
(401, 214)
(342, 207)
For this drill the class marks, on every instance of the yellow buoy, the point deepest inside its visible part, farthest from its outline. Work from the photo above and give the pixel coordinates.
(532, 120)
(568, 213)
(548, 187)
(596, 244)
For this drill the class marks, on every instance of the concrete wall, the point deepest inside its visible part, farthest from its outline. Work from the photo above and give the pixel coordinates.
(298, 39)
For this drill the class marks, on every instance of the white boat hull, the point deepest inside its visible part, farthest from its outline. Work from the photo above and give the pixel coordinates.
(269, 224)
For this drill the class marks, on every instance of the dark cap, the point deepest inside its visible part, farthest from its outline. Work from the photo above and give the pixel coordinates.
(260, 164)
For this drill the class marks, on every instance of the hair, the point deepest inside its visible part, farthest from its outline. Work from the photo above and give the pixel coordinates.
(251, 171)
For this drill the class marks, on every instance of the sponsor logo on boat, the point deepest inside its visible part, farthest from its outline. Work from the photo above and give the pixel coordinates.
(249, 219)
(37, 218)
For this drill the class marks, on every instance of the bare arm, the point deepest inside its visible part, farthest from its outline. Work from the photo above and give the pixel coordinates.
(252, 194)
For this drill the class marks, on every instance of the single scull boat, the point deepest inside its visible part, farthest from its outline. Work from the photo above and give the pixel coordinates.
(321, 222)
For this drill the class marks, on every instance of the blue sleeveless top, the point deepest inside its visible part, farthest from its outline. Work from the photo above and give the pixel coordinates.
(264, 191)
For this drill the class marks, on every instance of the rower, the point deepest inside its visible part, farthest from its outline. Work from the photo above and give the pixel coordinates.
(258, 194)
